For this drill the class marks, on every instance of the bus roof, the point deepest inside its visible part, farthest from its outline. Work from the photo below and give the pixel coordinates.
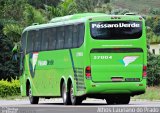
(73, 18)
(76, 16)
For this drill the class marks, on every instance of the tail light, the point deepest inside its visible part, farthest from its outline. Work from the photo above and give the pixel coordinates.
(144, 71)
(88, 72)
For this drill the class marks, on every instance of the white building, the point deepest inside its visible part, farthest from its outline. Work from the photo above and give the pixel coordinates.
(155, 49)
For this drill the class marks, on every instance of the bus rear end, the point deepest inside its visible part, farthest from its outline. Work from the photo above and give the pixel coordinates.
(116, 61)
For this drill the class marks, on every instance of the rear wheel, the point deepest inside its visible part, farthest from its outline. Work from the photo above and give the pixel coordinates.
(65, 95)
(74, 99)
(118, 99)
(111, 100)
(123, 99)
(32, 99)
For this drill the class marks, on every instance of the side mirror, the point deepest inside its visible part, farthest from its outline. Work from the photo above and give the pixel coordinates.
(15, 52)
(15, 57)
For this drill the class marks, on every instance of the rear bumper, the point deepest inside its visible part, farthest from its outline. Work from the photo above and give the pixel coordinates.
(130, 88)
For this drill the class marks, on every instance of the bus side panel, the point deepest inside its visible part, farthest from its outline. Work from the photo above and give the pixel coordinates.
(23, 85)
(24, 77)
(45, 71)
(49, 68)
(78, 67)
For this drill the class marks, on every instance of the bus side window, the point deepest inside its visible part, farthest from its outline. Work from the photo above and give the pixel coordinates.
(22, 52)
(52, 38)
(30, 41)
(23, 42)
(60, 38)
(80, 34)
(37, 41)
(68, 37)
(45, 41)
(75, 36)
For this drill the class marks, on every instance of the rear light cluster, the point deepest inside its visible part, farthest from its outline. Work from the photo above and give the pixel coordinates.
(144, 71)
(88, 72)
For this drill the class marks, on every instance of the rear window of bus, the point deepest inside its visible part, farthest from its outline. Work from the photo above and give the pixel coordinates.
(116, 30)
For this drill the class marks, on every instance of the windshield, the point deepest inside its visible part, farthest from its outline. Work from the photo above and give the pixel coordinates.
(115, 30)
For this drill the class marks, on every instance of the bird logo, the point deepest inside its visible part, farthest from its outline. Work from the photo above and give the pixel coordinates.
(128, 59)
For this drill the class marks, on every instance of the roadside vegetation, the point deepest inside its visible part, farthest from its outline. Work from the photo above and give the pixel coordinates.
(11, 88)
(152, 93)
(15, 15)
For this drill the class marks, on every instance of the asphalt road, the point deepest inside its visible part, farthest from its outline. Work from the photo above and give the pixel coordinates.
(88, 106)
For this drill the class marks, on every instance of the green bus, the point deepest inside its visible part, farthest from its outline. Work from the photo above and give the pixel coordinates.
(84, 55)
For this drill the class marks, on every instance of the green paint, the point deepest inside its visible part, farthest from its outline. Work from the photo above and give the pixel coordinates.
(46, 81)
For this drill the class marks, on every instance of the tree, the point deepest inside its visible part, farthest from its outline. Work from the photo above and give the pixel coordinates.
(153, 28)
(13, 31)
(11, 27)
(155, 11)
(12, 9)
(149, 21)
(11, 15)
(8, 67)
(153, 70)
(40, 3)
(93, 6)
(31, 15)
(119, 11)
(87, 5)
(157, 28)
(67, 7)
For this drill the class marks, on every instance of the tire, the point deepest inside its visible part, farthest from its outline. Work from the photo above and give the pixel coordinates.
(118, 99)
(123, 99)
(32, 99)
(65, 95)
(74, 99)
(111, 100)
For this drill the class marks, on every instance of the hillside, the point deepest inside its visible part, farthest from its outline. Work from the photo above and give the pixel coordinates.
(141, 6)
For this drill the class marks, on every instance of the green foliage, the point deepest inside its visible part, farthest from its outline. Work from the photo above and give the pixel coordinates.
(14, 16)
(120, 11)
(12, 9)
(153, 70)
(141, 6)
(149, 21)
(8, 67)
(152, 93)
(86, 5)
(153, 29)
(13, 31)
(157, 28)
(9, 88)
(31, 15)
(104, 8)
(152, 38)
(155, 11)
(41, 3)
(67, 7)
(93, 6)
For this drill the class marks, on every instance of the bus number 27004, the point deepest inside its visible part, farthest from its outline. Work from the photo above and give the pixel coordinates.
(102, 57)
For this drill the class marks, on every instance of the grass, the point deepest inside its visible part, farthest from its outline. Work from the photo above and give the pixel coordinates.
(152, 93)
(12, 97)
(141, 6)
